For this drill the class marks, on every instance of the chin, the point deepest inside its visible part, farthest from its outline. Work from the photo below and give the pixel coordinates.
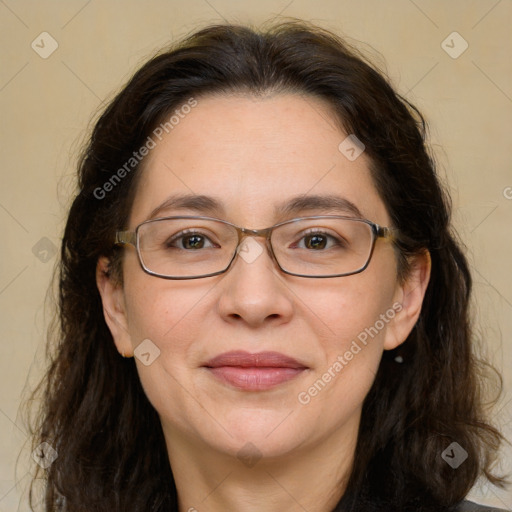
(247, 445)
(272, 433)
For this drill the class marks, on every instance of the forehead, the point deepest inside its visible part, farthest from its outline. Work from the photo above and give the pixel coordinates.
(252, 154)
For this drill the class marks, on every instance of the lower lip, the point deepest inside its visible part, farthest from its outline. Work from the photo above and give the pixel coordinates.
(255, 379)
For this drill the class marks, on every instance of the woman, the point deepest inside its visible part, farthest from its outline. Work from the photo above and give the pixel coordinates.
(260, 234)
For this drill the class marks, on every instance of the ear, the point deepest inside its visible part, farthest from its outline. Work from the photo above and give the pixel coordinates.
(408, 299)
(114, 309)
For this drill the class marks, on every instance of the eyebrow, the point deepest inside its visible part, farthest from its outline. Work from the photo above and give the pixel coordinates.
(199, 203)
(203, 204)
(325, 203)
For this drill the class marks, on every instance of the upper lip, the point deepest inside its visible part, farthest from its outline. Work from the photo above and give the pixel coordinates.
(247, 360)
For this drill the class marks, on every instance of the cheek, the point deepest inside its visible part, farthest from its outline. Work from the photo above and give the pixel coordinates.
(350, 320)
(351, 307)
(173, 316)
(352, 349)
(167, 313)
(161, 309)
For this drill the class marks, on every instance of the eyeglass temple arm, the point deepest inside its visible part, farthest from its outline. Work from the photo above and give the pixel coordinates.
(390, 233)
(126, 237)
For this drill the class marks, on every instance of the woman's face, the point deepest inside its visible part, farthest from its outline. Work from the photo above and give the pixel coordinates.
(251, 155)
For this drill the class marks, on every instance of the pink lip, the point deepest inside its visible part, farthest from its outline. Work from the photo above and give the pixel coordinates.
(254, 372)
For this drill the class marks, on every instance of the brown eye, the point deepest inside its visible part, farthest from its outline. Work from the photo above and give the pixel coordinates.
(193, 242)
(315, 241)
(318, 241)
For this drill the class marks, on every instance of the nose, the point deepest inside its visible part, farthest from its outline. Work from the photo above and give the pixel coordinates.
(254, 291)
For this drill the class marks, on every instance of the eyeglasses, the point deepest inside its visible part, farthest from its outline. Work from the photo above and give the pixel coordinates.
(190, 247)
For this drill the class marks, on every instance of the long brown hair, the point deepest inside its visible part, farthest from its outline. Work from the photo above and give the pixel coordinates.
(94, 413)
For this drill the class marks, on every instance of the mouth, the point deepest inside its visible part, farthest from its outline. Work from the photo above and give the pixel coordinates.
(254, 372)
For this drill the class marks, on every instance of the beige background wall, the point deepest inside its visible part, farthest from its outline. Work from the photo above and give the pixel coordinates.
(47, 103)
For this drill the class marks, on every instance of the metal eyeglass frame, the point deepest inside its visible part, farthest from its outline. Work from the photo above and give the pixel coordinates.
(132, 238)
